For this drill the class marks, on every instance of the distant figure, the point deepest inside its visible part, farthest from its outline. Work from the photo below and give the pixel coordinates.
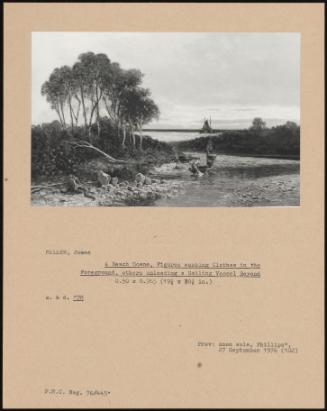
(209, 146)
(210, 157)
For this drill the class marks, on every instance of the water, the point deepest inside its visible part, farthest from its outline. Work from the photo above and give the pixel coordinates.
(171, 136)
(235, 181)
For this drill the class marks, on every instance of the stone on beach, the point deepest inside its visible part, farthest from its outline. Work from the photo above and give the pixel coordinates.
(103, 178)
(140, 178)
(147, 181)
(114, 181)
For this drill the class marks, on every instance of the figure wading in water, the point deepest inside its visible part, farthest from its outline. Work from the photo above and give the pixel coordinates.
(199, 170)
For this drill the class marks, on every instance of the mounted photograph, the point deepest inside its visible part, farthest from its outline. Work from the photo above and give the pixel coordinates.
(165, 119)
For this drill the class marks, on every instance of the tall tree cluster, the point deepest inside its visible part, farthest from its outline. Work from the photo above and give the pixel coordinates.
(95, 86)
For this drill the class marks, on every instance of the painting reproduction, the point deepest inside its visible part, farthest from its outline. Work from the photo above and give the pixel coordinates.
(165, 119)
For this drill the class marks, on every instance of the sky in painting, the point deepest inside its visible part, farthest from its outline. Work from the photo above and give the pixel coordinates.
(230, 77)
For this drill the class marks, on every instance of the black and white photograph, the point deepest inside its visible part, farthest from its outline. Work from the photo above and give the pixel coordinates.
(165, 119)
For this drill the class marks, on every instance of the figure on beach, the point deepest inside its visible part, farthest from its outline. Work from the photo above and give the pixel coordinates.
(210, 156)
(194, 168)
(198, 169)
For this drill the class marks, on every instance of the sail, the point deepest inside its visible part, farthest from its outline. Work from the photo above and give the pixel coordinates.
(206, 128)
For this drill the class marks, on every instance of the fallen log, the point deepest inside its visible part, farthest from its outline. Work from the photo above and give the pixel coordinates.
(86, 144)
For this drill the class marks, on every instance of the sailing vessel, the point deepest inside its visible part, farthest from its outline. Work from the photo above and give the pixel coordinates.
(206, 128)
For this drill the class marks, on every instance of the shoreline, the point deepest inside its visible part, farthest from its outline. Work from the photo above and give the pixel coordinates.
(277, 156)
(163, 180)
(124, 193)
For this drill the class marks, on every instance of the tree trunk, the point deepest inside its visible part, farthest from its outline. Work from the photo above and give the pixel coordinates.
(89, 133)
(95, 105)
(99, 127)
(132, 132)
(141, 137)
(83, 105)
(63, 115)
(107, 108)
(76, 115)
(132, 136)
(118, 129)
(59, 115)
(98, 121)
(124, 136)
(71, 113)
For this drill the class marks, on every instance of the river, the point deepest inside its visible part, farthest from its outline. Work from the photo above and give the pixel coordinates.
(172, 136)
(235, 181)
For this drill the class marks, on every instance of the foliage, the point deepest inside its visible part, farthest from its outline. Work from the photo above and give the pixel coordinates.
(258, 124)
(97, 101)
(93, 86)
(281, 140)
(53, 155)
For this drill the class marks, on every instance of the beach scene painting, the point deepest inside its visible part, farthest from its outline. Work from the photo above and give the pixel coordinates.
(123, 119)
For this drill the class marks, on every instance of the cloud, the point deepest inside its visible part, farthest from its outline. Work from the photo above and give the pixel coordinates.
(191, 75)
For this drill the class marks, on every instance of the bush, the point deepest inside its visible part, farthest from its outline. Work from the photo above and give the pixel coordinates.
(52, 155)
(281, 140)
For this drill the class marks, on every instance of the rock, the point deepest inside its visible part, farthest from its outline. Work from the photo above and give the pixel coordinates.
(114, 181)
(151, 195)
(140, 178)
(72, 184)
(147, 181)
(103, 178)
(143, 196)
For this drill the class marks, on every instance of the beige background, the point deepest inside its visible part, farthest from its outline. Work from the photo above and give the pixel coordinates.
(140, 343)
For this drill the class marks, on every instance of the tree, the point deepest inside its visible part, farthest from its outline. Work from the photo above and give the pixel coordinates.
(145, 110)
(61, 91)
(258, 124)
(71, 94)
(291, 125)
(55, 91)
(138, 109)
(91, 74)
(295, 130)
(118, 83)
(93, 85)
